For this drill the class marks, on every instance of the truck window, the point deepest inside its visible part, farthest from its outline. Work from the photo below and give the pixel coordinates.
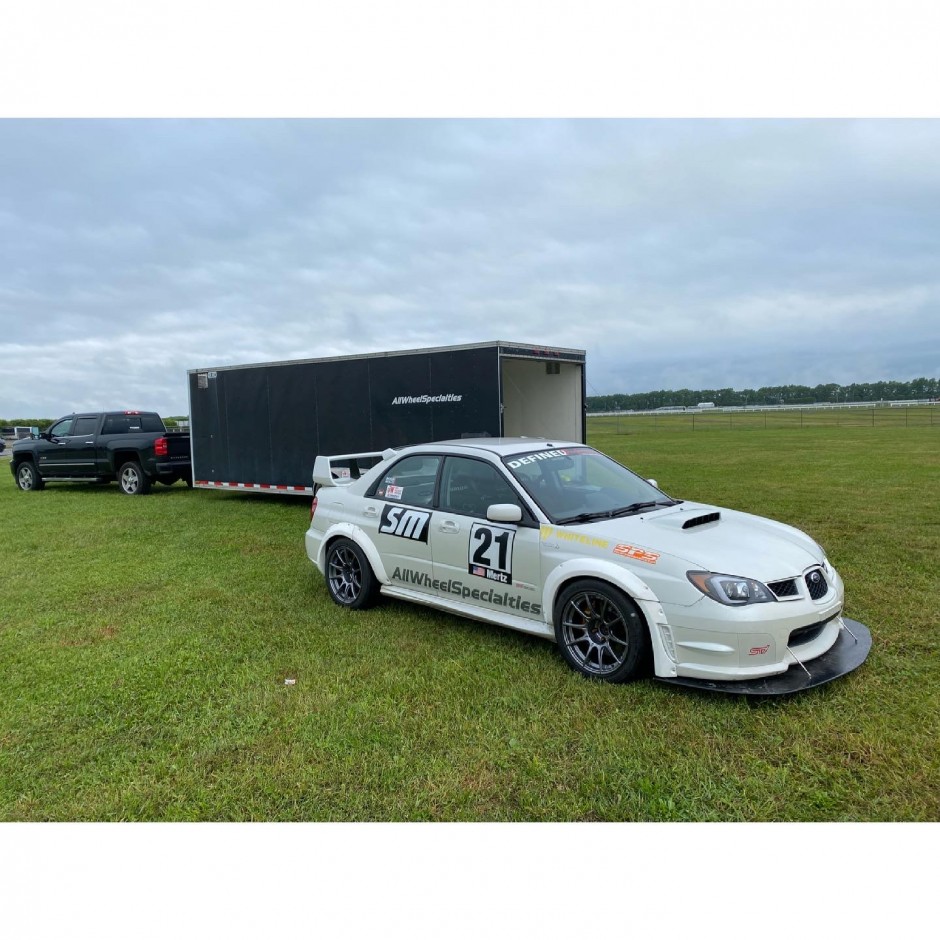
(85, 425)
(62, 428)
(132, 424)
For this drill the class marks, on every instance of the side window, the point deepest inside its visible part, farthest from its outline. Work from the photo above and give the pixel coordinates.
(85, 425)
(115, 424)
(62, 428)
(470, 486)
(151, 422)
(410, 481)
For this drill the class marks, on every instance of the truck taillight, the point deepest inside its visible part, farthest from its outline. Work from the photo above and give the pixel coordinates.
(161, 447)
(313, 508)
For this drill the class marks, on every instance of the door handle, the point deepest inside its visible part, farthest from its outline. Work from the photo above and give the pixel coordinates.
(449, 526)
(370, 511)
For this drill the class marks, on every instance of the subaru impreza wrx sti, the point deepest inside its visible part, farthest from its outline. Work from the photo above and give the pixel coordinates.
(558, 540)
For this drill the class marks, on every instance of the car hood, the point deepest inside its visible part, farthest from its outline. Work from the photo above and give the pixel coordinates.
(735, 543)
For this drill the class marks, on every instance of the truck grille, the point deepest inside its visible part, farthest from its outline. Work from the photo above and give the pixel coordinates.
(816, 584)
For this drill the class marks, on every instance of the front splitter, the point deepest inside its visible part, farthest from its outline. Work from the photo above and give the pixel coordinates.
(848, 653)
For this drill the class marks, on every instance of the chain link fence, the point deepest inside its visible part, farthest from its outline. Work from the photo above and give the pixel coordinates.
(877, 416)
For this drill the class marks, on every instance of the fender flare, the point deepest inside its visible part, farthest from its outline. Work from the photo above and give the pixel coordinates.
(633, 586)
(357, 535)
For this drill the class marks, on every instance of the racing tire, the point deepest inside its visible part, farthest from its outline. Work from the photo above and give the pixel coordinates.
(600, 632)
(350, 579)
(28, 478)
(132, 479)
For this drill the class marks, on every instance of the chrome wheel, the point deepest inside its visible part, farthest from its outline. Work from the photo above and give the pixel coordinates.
(130, 480)
(27, 478)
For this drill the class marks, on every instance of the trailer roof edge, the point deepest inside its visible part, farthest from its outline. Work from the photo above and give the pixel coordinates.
(528, 349)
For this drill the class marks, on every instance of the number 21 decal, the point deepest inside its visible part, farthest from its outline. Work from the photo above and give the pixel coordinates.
(491, 552)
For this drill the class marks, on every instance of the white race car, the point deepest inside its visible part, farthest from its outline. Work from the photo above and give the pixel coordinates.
(561, 541)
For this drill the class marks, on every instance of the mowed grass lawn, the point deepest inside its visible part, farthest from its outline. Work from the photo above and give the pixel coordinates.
(145, 644)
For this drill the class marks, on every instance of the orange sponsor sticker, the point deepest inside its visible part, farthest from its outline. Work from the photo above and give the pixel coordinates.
(638, 554)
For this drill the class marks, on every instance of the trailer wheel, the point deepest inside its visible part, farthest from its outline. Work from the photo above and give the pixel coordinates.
(133, 480)
(28, 477)
(349, 576)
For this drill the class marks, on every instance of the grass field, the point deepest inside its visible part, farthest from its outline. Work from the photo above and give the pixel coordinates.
(145, 644)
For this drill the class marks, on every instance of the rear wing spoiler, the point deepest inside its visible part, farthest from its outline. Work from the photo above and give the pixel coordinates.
(342, 469)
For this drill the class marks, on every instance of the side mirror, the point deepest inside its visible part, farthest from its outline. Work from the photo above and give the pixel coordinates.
(504, 512)
(45, 436)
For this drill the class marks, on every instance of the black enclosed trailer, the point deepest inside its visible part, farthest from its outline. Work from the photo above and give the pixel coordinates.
(261, 426)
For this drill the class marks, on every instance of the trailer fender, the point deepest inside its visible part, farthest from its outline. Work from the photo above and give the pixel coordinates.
(632, 585)
(357, 535)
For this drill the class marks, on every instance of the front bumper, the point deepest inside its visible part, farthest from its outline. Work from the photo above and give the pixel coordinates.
(848, 653)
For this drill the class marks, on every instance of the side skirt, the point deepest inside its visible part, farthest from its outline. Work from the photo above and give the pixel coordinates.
(522, 624)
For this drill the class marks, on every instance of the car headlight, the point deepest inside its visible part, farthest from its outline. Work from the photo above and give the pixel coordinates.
(731, 590)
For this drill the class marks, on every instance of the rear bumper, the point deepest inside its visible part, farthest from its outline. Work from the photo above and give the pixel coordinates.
(848, 653)
(179, 467)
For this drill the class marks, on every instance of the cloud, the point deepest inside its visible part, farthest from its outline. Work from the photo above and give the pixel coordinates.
(677, 253)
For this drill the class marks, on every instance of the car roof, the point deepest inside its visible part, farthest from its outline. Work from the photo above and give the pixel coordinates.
(500, 446)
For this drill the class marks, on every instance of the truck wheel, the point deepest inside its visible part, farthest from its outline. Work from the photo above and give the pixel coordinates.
(349, 576)
(28, 477)
(132, 479)
(600, 632)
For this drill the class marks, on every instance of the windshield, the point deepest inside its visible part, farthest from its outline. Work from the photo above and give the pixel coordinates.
(579, 484)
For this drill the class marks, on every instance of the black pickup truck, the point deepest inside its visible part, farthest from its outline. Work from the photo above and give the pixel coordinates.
(132, 447)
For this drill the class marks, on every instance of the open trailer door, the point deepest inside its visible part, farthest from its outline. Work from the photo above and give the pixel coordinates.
(543, 393)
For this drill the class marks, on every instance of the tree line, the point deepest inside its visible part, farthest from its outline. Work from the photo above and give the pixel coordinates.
(768, 395)
(43, 423)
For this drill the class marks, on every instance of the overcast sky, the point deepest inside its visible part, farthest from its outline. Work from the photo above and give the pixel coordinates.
(677, 253)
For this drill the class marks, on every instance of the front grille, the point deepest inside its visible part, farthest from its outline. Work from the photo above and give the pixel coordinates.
(805, 634)
(816, 584)
(785, 588)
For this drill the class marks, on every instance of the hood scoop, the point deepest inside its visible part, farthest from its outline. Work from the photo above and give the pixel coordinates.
(701, 520)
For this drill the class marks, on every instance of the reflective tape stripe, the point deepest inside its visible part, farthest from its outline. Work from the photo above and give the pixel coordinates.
(261, 487)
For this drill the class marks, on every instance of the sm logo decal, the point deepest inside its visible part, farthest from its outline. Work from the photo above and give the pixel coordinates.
(405, 523)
